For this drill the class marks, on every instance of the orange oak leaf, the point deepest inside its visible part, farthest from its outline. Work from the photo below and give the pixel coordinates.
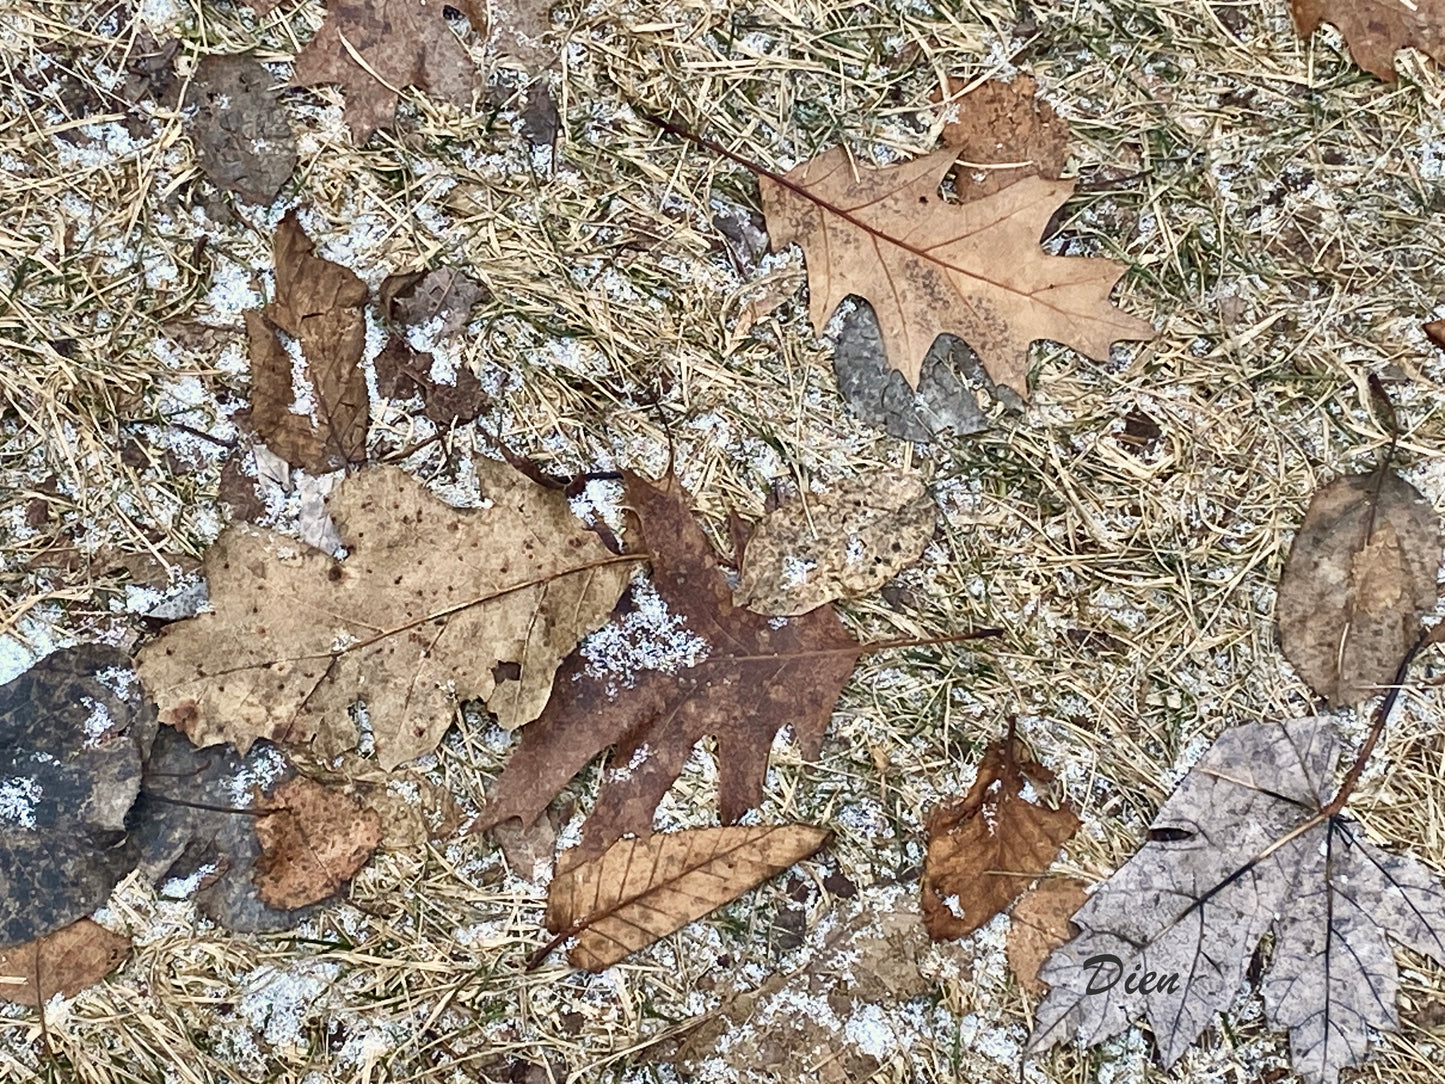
(1376, 30)
(985, 850)
(930, 266)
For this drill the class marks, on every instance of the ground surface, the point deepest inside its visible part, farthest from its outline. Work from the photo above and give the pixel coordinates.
(1281, 212)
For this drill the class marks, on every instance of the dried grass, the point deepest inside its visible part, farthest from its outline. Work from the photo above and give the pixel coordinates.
(1275, 203)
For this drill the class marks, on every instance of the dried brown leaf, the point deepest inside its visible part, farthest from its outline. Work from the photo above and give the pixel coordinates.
(416, 298)
(242, 140)
(985, 850)
(684, 663)
(1376, 30)
(641, 890)
(1436, 330)
(427, 606)
(313, 841)
(1001, 132)
(402, 372)
(843, 543)
(64, 962)
(376, 48)
(930, 267)
(1359, 579)
(1039, 923)
(320, 304)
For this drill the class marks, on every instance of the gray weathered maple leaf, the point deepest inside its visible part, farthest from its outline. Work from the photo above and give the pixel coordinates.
(73, 731)
(1237, 851)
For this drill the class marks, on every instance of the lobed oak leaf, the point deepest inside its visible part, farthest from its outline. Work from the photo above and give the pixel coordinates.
(321, 305)
(986, 850)
(930, 267)
(1359, 579)
(640, 890)
(686, 662)
(1238, 850)
(1376, 30)
(432, 604)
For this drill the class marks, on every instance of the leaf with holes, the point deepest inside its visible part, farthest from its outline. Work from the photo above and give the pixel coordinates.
(432, 604)
(641, 890)
(1238, 851)
(929, 267)
(679, 662)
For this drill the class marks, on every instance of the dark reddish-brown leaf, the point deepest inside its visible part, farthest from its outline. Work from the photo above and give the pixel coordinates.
(685, 663)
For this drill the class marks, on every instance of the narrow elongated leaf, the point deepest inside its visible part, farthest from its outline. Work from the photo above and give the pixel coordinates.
(640, 890)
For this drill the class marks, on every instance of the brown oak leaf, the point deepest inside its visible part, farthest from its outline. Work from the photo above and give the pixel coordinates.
(321, 305)
(64, 962)
(641, 890)
(684, 663)
(313, 840)
(1376, 30)
(929, 267)
(985, 850)
(431, 605)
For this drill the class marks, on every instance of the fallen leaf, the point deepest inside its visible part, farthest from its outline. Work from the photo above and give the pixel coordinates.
(417, 298)
(1376, 30)
(64, 962)
(930, 267)
(432, 604)
(1436, 330)
(313, 841)
(843, 543)
(530, 850)
(411, 808)
(1038, 924)
(521, 31)
(73, 731)
(985, 850)
(1359, 579)
(685, 662)
(1001, 132)
(641, 890)
(242, 140)
(321, 305)
(1229, 858)
(195, 827)
(540, 119)
(374, 49)
(881, 397)
(402, 372)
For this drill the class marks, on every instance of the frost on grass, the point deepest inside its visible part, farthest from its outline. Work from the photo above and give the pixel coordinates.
(649, 637)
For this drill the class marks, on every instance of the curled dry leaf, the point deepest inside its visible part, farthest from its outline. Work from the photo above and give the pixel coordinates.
(313, 841)
(1236, 851)
(73, 731)
(1359, 579)
(417, 298)
(1376, 30)
(432, 604)
(242, 140)
(682, 663)
(641, 890)
(840, 544)
(321, 305)
(930, 267)
(1039, 923)
(988, 848)
(64, 962)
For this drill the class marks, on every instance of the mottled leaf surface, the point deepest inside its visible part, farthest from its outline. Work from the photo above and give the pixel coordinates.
(1231, 858)
(641, 890)
(1359, 579)
(842, 543)
(242, 140)
(73, 731)
(64, 962)
(1000, 132)
(679, 662)
(930, 267)
(988, 848)
(1038, 924)
(431, 605)
(1376, 30)
(313, 841)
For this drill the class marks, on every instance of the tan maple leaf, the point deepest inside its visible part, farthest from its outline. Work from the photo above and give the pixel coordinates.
(1376, 30)
(432, 604)
(929, 266)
